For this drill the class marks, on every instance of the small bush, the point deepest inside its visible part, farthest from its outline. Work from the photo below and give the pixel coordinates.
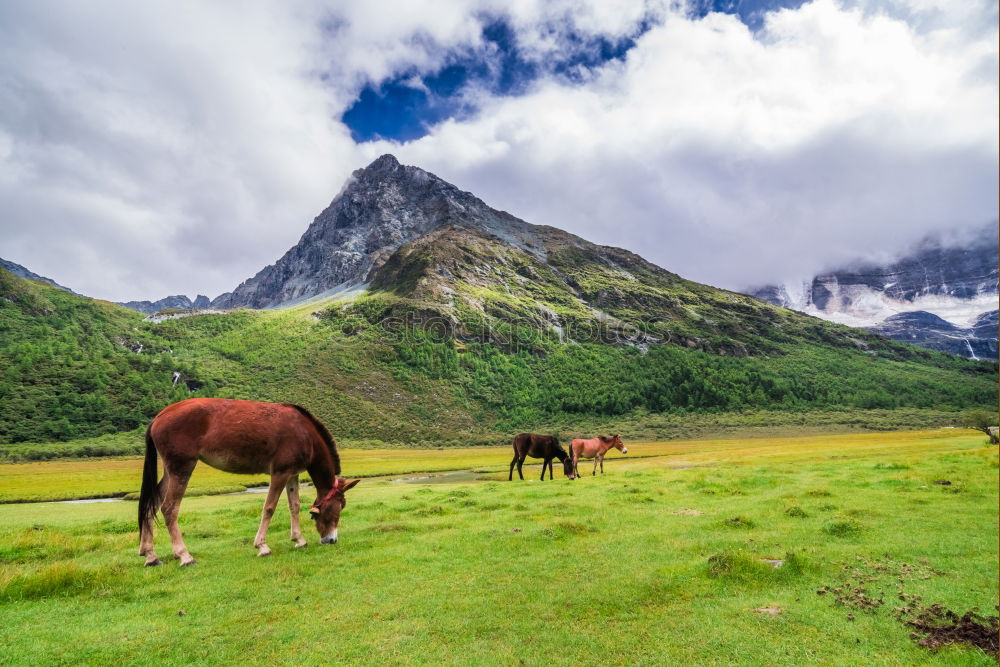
(739, 522)
(891, 466)
(796, 511)
(575, 528)
(739, 565)
(434, 510)
(842, 527)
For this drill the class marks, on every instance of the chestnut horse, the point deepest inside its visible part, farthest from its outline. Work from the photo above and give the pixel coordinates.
(594, 448)
(536, 446)
(240, 437)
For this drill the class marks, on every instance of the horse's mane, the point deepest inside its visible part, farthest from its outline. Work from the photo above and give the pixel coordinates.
(605, 438)
(330, 444)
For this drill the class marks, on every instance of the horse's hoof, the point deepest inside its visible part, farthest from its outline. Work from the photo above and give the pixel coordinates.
(188, 563)
(154, 563)
(299, 545)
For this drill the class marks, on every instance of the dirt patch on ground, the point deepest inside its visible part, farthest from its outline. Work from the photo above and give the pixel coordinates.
(937, 626)
(770, 611)
(687, 512)
(865, 584)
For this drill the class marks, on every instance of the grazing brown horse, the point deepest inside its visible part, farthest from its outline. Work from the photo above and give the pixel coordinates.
(594, 448)
(536, 446)
(240, 437)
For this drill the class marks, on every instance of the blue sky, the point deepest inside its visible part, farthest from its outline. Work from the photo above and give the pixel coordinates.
(406, 106)
(177, 146)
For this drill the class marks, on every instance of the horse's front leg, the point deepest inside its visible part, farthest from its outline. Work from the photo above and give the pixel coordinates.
(293, 509)
(602, 464)
(595, 465)
(545, 462)
(273, 493)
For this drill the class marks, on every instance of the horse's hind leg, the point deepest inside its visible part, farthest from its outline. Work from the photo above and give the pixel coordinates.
(293, 509)
(146, 533)
(174, 484)
(273, 493)
(513, 462)
(520, 462)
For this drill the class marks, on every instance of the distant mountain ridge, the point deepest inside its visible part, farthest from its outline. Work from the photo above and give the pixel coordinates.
(941, 296)
(22, 272)
(178, 301)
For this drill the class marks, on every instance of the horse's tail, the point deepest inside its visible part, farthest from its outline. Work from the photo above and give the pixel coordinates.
(325, 433)
(149, 494)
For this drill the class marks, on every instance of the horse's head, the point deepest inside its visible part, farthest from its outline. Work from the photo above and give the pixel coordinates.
(326, 510)
(568, 467)
(616, 442)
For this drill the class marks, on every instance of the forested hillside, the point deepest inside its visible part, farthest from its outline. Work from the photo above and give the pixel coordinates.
(380, 367)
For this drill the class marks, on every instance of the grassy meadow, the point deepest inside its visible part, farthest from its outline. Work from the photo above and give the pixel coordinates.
(661, 560)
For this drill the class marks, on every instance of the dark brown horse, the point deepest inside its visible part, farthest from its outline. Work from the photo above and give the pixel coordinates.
(594, 448)
(536, 446)
(240, 437)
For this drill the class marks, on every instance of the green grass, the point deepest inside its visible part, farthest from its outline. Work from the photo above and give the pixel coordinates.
(637, 566)
(103, 478)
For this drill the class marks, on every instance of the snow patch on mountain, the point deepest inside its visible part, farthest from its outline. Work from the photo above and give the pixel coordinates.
(863, 307)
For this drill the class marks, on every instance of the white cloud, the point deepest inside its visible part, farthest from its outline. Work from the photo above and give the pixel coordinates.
(157, 148)
(733, 158)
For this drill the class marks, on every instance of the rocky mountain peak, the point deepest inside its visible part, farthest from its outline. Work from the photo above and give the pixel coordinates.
(380, 208)
(383, 164)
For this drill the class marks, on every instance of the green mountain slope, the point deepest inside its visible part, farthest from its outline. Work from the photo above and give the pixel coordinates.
(460, 338)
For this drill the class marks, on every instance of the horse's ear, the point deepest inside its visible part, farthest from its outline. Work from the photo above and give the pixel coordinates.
(349, 485)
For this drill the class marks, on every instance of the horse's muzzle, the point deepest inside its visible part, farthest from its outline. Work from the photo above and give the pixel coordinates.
(624, 450)
(328, 540)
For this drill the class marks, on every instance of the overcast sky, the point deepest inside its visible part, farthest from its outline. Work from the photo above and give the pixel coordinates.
(154, 148)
